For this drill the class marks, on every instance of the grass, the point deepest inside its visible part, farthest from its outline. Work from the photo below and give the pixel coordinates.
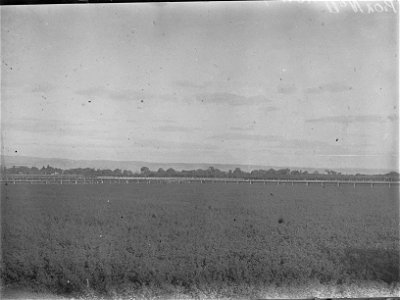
(163, 239)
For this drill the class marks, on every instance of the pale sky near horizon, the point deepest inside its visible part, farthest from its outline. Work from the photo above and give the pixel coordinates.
(279, 84)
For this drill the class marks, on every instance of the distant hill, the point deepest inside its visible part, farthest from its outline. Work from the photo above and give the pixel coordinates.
(135, 166)
(62, 163)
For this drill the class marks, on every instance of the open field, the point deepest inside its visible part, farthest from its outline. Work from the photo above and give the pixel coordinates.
(191, 238)
(26, 179)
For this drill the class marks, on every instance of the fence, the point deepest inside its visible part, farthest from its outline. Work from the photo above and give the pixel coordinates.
(180, 180)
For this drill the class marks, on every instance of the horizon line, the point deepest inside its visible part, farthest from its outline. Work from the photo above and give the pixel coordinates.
(233, 165)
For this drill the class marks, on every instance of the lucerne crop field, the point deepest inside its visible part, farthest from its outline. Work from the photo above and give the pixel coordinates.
(214, 238)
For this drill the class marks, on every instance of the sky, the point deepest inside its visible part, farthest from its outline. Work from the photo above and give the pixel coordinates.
(267, 83)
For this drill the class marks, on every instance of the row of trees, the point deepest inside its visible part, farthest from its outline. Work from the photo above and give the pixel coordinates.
(211, 172)
(87, 172)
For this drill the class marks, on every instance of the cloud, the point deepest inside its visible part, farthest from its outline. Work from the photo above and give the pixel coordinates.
(42, 88)
(189, 84)
(350, 119)
(173, 128)
(50, 127)
(333, 87)
(243, 136)
(172, 145)
(280, 143)
(271, 109)
(109, 93)
(247, 128)
(124, 94)
(393, 117)
(287, 89)
(230, 99)
(310, 145)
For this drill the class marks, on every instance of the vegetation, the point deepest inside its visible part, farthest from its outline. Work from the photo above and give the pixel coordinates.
(196, 238)
(211, 172)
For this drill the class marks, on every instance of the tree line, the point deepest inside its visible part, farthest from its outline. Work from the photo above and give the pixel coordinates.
(210, 172)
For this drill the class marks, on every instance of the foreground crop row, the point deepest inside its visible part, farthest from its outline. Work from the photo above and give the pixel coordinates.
(114, 237)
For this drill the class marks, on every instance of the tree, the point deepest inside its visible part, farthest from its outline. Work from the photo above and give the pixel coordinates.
(237, 173)
(127, 173)
(145, 171)
(160, 172)
(117, 172)
(283, 172)
(171, 172)
(330, 172)
(295, 172)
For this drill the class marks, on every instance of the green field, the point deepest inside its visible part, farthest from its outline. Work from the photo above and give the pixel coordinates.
(106, 239)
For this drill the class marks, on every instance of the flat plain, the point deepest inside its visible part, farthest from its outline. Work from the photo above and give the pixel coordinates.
(123, 238)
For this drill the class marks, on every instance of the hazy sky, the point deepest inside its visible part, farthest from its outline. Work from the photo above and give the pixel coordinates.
(283, 84)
